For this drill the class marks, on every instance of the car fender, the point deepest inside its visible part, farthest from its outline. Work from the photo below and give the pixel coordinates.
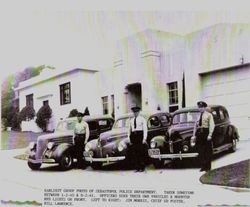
(60, 149)
(232, 131)
(159, 140)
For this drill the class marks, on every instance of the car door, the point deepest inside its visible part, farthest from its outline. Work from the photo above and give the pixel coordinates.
(219, 130)
(93, 128)
(225, 125)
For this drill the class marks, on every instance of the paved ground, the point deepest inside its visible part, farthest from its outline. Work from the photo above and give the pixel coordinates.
(20, 183)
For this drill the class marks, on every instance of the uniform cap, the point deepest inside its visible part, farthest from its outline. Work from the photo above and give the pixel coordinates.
(79, 114)
(135, 108)
(201, 104)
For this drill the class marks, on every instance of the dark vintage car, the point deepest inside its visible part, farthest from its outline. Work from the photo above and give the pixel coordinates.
(57, 147)
(112, 146)
(180, 141)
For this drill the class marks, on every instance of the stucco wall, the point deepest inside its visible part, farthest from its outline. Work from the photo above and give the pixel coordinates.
(84, 93)
(213, 48)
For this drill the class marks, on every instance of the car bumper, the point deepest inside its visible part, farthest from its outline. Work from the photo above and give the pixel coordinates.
(104, 160)
(180, 155)
(46, 158)
(41, 160)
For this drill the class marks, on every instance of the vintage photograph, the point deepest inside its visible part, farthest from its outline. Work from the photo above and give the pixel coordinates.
(124, 107)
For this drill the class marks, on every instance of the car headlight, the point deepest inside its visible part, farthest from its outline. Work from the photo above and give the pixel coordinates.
(32, 145)
(50, 145)
(153, 144)
(87, 147)
(185, 148)
(121, 146)
(192, 141)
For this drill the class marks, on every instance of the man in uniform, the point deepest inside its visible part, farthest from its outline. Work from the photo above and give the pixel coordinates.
(137, 135)
(204, 136)
(81, 135)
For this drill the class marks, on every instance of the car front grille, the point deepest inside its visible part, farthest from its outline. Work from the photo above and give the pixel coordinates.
(61, 140)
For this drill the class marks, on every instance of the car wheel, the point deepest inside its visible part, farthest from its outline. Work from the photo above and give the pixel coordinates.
(34, 166)
(158, 163)
(66, 161)
(96, 165)
(234, 145)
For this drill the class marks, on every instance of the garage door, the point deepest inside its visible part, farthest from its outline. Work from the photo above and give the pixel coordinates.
(230, 88)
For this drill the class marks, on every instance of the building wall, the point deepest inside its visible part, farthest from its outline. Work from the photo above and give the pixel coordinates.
(216, 47)
(216, 73)
(84, 93)
(153, 59)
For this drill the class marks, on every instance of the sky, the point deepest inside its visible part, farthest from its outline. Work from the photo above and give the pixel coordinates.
(79, 34)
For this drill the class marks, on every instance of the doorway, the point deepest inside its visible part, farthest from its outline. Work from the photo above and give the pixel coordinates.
(133, 95)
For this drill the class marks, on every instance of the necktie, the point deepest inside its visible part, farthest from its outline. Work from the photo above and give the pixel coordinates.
(135, 123)
(200, 121)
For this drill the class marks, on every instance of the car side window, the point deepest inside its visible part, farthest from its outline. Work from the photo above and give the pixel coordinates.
(92, 125)
(165, 120)
(222, 116)
(226, 114)
(154, 122)
(104, 124)
(216, 116)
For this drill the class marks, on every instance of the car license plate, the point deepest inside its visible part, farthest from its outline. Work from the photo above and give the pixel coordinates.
(154, 152)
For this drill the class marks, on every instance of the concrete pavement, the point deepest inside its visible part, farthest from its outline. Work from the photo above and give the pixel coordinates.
(19, 183)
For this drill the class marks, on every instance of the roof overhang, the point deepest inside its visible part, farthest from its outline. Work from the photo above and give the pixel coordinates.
(39, 79)
(244, 65)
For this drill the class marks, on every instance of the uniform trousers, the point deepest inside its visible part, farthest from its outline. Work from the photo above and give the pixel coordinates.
(204, 148)
(79, 148)
(136, 139)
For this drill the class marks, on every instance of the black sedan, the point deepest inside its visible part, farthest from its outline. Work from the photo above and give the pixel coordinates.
(180, 141)
(113, 146)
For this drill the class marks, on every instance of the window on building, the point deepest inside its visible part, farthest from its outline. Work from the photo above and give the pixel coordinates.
(65, 96)
(105, 105)
(46, 103)
(173, 96)
(29, 100)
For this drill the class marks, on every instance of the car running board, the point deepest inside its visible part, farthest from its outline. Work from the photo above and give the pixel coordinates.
(222, 148)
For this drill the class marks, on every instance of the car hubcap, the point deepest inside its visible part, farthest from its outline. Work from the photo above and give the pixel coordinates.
(67, 161)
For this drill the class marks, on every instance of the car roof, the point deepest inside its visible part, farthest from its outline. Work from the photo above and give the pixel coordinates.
(88, 118)
(144, 114)
(195, 108)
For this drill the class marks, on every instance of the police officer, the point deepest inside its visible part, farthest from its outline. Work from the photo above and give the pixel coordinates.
(137, 134)
(81, 135)
(204, 136)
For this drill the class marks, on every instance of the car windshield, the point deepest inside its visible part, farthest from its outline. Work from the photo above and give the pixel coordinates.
(66, 125)
(186, 117)
(121, 123)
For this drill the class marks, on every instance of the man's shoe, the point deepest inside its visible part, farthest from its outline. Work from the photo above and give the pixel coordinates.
(142, 169)
(202, 169)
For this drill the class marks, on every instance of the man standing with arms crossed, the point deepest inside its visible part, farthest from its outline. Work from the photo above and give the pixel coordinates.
(81, 137)
(204, 136)
(137, 135)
